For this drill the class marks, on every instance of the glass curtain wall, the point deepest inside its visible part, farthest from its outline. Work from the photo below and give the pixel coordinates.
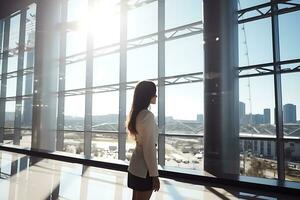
(269, 101)
(120, 49)
(107, 46)
(17, 35)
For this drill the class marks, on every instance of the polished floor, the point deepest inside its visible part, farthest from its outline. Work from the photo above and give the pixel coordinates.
(28, 178)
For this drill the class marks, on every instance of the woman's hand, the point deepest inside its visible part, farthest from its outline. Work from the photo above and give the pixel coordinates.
(156, 183)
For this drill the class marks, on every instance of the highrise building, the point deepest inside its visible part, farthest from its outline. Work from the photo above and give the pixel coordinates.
(267, 116)
(289, 113)
(242, 110)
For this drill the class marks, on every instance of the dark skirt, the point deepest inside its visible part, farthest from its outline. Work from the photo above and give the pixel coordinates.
(138, 183)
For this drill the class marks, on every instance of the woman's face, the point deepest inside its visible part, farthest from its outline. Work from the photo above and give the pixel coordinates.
(153, 99)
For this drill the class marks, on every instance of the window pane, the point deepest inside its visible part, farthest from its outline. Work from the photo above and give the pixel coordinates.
(10, 107)
(185, 55)
(106, 70)
(292, 160)
(105, 146)
(258, 158)
(14, 32)
(8, 136)
(105, 111)
(289, 31)
(184, 107)
(105, 23)
(74, 112)
(28, 59)
(11, 87)
(73, 142)
(291, 104)
(254, 49)
(25, 138)
(75, 75)
(76, 42)
(184, 152)
(77, 9)
(257, 103)
(26, 113)
(246, 3)
(181, 12)
(12, 63)
(137, 18)
(142, 60)
(27, 84)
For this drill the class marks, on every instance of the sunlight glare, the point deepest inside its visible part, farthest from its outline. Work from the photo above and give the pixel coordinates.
(102, 21)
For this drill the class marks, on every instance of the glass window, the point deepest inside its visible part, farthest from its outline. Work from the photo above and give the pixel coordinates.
(259, 162)
(10, 107)
(105, 23)
(14, 32)
(291, 104)
(137, 18)
(106, 70)
(26, 113)
(73, 142)
(292, 160)
(26, 138)
(181, 12)
(27, 84)
(144, 60)
(246, 3)
(289, 31)
(77, 10)
(184, 107)
(105, 146)
(184, 56)
(75, 75)
(12, 63)
(11, 87)
(76, 42)
(257, 103)
(184, 152)
(28, 59)
(74, 112)
(105, 111)
(253, 49)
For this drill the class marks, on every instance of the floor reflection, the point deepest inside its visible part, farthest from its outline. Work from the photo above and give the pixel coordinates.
(23, 177)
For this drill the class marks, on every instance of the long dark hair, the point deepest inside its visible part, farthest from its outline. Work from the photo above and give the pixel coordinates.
(143, 93)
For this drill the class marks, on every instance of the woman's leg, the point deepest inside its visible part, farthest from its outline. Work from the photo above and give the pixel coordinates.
(142, 195)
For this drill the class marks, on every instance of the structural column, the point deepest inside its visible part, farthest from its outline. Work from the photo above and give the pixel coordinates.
(221, 124)
(46, 75)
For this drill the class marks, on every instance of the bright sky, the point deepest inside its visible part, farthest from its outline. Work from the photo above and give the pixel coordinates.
(182, 56)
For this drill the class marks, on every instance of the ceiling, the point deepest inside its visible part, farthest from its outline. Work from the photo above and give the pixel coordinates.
(8, 7)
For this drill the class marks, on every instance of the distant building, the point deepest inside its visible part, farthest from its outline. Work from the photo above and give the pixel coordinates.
(242, 112)
(200, 118)
(289, 113)
(267, 116)
(257, 119)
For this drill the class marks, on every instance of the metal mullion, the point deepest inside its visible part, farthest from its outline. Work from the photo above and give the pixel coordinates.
(4, 77)
(278, 93)
(161, 82)
(18, 108)
(88, 93)
(61, 86)
(122, 79)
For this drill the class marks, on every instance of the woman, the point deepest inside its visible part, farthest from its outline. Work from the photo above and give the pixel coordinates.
(142, 170)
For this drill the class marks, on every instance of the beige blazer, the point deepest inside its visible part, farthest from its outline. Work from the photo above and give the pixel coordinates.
(143, 158)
